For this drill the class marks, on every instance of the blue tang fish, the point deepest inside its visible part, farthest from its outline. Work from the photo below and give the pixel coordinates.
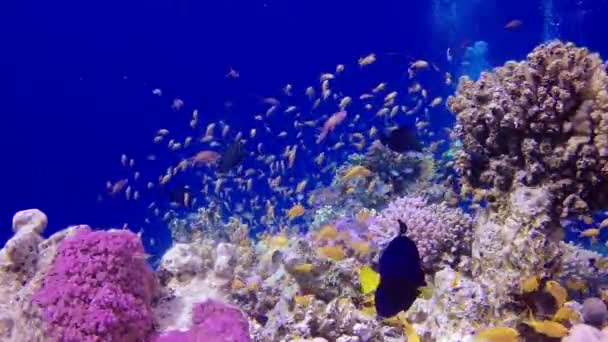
(400, 275)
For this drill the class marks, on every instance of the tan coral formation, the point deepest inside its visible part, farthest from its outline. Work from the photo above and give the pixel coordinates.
(24, 261)
(542, 121)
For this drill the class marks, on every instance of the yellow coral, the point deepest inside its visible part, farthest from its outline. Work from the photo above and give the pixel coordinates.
(303, 300)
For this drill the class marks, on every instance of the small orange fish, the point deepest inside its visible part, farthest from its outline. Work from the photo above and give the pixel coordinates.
(513, 24)
(206, 157)
(331, 123)
(295, 211)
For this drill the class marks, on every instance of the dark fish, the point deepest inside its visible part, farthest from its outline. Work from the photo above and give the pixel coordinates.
(232, 157)
(176, 194)
(400, 275)
(402, 139)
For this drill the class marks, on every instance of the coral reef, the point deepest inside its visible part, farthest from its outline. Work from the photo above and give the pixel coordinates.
(457, 304)
(212, 321)
(442, 234)
(540, 122)
(98, 287)
(515, 243)
(24, 261)
(577, 268)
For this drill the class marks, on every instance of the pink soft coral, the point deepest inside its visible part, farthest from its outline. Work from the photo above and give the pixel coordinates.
(99, 288)
(212, 321)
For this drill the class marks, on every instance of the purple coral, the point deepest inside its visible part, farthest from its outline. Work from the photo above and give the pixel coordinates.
(99, 288)
(441, 233)
(212, 321)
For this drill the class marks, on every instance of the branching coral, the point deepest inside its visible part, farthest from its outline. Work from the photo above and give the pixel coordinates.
(543, 121)
(99, 287)
(441, 233)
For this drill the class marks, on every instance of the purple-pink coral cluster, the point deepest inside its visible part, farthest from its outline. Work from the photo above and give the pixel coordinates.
(441, 233)
(212, 321)
(99, 288)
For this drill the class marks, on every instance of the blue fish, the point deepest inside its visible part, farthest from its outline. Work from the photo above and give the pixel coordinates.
(400, 275)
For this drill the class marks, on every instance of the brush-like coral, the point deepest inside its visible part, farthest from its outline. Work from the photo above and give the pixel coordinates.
(99, 287)
(543, 121)
(441, 233)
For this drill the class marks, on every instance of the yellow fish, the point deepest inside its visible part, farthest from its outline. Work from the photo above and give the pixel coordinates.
(369, 280)
(356, 171)
(566, 314)
(409, 331)
(557, 291)
(548, 328)
(295, 211)
(499, 334)
(530, 284)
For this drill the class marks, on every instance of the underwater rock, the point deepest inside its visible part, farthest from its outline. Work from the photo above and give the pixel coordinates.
(458, 304)
(24, 262)
(225, 260)
(515, 243)
(585, 333)
(183, 261)
(31, 220)
(594, 312)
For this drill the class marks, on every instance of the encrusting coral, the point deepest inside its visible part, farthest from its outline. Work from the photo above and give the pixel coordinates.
(99, 287)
